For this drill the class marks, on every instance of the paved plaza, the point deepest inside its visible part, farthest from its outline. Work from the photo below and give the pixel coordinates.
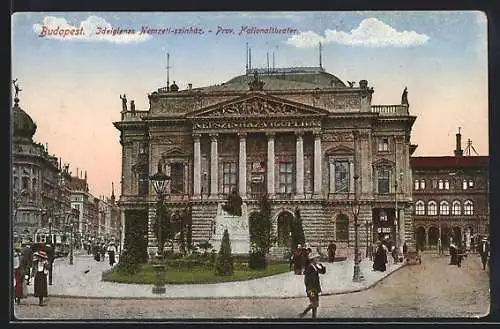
(83, 279)
(433, 289)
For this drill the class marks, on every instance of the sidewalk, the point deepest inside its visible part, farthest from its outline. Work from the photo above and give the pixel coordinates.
(72, 281)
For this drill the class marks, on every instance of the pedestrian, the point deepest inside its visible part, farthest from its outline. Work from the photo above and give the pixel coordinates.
(39, 273)
(484, 250)
(97, 253)
(111, 253)
(394, 253)
(332, 248)
(26, 262)
(453, 254)
(19, 280)
(89, 247)
(311, 280)
(380, 261)
(405, 250)
(103, 252)
(298, 259)
(440, 247)
(461, 254)
(51, 255)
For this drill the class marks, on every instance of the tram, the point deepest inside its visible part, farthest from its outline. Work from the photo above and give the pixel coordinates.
(59, 240)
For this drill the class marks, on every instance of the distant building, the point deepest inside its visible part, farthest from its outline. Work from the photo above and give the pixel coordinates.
(450, 195)
(40, 184)
(299, 135)
(109, 218)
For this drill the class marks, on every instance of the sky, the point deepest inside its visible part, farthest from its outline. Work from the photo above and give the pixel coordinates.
(71, 74)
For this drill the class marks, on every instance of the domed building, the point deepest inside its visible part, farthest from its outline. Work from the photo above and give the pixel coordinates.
(40, 193)
(299, 135)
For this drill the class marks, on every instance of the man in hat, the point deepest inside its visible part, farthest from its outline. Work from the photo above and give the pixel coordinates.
(311, 280)
(39, 273)
(49, 249)
(484, 251)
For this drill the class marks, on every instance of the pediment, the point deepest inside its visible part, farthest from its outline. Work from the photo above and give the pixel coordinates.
(257, 106)
(174, 152)
(383, 162)
(340, 150)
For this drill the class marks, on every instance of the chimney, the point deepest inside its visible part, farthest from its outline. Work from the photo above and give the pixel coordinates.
(458, 151)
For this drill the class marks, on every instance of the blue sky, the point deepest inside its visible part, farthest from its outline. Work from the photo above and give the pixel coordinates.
(71, 85)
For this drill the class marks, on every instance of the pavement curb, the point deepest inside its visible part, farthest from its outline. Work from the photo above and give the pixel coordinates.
(350, 291)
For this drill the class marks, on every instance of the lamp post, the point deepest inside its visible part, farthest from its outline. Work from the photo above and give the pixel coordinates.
(367, 247)
(357, 276)
(160, 181)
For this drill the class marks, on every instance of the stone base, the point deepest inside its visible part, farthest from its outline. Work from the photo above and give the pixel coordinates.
(237, 227)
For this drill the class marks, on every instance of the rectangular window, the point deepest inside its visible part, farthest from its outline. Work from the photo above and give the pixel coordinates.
(341, 176)
(417, 185)
(383, 145)
(446, 184)
(229, 176)
(383, 180)
(434, 184)
(441, 185)
(422, 184)
(286, 177)
(177, 178)
(465, 185)
(471, 183)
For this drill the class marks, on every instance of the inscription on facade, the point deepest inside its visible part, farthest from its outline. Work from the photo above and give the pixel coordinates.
(258, 124)
(338, 137)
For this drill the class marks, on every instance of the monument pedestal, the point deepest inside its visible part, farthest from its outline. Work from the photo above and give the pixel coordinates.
(237, 227)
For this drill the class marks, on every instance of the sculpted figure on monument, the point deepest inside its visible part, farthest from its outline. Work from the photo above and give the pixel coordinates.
(132, 106)
(233, 204)
(404, 97)
(124, 102)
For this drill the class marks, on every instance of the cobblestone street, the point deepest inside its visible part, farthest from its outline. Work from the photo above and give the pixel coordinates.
(433, 289)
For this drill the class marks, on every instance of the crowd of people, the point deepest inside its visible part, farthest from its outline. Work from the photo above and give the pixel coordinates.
(99, 249)
(34, 263)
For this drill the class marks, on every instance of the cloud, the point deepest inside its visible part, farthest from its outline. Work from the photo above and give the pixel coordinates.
(371, 32)
(94, 28)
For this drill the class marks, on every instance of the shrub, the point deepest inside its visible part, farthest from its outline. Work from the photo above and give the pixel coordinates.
(224, 261)
(257, 260)
(127, 265)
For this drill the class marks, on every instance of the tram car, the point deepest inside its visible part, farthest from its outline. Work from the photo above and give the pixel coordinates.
(59, 240)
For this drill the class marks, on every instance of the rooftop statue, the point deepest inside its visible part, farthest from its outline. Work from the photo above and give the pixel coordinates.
(124, 102)
(132, 106)
(16, 86)
(404, 97)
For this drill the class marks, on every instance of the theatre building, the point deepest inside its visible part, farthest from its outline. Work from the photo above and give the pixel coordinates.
(299, 135)
(450, 196)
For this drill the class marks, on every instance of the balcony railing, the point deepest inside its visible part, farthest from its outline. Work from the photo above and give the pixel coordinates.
(134, 115)
(390, 110)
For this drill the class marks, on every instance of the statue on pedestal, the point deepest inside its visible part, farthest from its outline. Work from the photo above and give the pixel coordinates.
(124, 102)
(233, 204)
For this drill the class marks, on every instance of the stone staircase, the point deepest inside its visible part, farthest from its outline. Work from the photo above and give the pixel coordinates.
(202, 217)
(313, 222)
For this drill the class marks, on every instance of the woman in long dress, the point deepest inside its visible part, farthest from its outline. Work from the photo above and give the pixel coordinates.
(380, 260)
(40, 271)
(111, 253)
(18, 279)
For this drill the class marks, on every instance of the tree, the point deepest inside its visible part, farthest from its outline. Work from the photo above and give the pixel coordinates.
(224, 261)
(298, 236)
(261, 236)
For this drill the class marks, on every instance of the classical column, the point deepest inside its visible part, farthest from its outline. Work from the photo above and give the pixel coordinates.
(351, 176)
(197, 167)
(123, 229)
(214, 161)
(426, 238)
(270, 164)
(317, 165)
(299, 161)
(242, 177)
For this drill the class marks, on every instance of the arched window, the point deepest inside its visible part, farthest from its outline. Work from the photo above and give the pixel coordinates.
(432, 208)
(444, 208)
(468, 208)
(420, 208)
(342, 228)
(456, 208)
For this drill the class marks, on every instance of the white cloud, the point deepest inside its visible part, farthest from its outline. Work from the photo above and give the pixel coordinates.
(371, 32)
(94, 28)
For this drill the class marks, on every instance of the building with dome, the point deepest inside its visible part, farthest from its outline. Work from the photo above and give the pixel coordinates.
(300, 135)
(40, 185)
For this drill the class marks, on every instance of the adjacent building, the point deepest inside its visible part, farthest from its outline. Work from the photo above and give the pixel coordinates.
(300, 135)
(40, 184)
(450, 195)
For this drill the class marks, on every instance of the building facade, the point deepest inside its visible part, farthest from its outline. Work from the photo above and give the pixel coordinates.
(450, 196)
(299, 135)
(40, 184)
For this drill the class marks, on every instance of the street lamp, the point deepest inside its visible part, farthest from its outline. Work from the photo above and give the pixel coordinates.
(367, 226)
(357, 276)
(160, 181)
